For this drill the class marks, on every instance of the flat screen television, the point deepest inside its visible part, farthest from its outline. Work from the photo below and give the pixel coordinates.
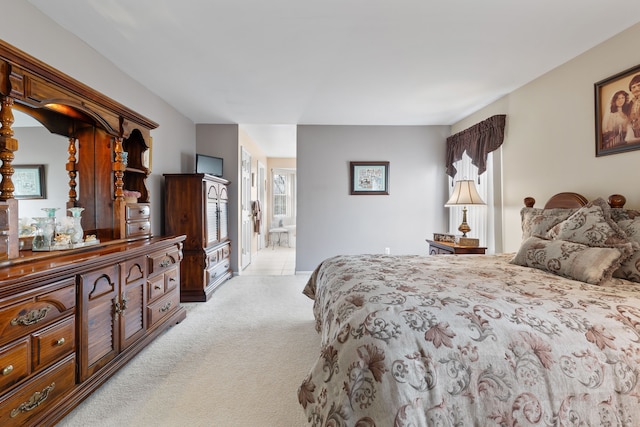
(209, 164)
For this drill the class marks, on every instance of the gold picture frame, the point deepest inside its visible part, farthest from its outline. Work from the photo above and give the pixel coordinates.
(617, 112)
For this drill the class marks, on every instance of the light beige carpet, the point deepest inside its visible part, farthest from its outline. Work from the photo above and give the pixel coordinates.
(237, 360)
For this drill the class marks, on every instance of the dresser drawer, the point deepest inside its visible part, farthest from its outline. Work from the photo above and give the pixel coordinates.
(213, 274)
(439, 251)
(163, 307)
(156, 287)
(39, 394)
(136, 211)
(171, 279)
(138, 228)
(225, 251)
(53, 343)
(24, 314)
(159, 262)
(213, 257)
(217, 255)
(14, 363)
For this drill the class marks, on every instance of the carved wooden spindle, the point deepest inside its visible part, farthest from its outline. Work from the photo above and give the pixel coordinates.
(118, 169)
(72, 169)
(8, 144)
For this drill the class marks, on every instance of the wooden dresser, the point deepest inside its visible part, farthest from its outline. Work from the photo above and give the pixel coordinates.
(197, 205)
(68, 321)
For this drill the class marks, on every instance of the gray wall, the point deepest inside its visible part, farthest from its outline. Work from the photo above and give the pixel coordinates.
(332, 222)
(40, 147)
(173, 141)
(223, 141)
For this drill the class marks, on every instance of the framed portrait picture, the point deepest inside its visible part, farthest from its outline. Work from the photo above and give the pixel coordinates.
(617, 112)
(370, 178)
(29, 182)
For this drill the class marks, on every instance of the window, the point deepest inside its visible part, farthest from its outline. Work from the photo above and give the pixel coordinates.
(284, 191)
(480, 218)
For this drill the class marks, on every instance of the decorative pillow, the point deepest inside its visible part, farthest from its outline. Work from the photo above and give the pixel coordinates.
(590, 225)
(618, 214)
(572, 260)
(537, 222)
(630, 268)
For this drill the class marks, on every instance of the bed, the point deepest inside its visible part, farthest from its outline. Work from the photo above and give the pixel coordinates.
(547, 336)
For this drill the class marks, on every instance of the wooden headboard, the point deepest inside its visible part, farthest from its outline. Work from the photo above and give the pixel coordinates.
(569, 200)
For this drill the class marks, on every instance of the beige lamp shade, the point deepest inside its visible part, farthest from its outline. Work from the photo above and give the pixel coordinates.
(464, 193)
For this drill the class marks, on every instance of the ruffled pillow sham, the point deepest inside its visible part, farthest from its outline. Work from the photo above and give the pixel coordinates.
(590, 225)
(629, 221)
(572, 260)
(537, 222)
(565, 235)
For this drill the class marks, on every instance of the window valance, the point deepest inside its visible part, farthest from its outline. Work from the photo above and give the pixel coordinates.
(477, 141)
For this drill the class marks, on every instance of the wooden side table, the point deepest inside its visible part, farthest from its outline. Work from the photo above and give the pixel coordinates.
(445, 248)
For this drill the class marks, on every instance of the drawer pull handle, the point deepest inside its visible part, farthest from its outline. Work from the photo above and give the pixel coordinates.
(120, 308)
(117, 308)
(165, 263)
(142, 211)
(31, 318)
(124, 302)
(34, 401)
(60, 342)
(165, 307)
(157, 287)
(172, 279)
(141, 228)
(7, 370)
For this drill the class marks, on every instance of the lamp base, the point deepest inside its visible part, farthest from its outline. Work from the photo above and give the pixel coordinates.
(464, 227)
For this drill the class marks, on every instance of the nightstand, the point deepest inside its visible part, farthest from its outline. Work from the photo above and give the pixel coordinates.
(445, 248)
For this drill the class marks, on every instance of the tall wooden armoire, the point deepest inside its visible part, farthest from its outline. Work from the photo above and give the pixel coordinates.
(197, 205)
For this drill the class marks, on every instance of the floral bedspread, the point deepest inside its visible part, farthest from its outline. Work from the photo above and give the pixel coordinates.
(469, 341)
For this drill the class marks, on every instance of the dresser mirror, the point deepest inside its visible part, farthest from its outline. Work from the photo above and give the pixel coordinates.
(96, 150)
(38, 146)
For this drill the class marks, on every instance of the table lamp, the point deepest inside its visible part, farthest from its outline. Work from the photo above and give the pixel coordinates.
(464, 193)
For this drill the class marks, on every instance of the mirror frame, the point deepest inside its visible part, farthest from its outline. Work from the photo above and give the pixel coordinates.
(69, 108)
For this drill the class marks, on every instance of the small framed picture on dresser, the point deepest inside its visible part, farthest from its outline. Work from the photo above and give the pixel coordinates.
(370, 178)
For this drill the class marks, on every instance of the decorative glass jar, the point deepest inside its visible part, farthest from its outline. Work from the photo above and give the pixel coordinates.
(78, 232)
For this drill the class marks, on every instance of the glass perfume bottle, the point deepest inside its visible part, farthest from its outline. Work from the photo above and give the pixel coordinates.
(49, 225)
(39, 242)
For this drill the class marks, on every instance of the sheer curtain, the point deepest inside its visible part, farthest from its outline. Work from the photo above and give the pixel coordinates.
(479, 218)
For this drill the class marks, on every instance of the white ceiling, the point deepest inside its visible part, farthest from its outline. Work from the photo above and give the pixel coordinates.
(258, 63)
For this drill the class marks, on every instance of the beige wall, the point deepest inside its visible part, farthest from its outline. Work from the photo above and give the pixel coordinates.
(550, 135)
